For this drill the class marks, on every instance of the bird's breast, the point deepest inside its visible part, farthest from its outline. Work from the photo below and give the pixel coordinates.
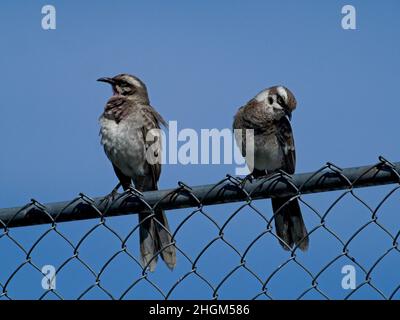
(124, 145)
(267, 153)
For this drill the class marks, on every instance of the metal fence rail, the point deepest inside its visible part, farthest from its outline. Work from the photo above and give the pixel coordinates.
(201, 199)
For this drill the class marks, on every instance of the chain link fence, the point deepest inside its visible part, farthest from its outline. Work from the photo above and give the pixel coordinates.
(225, 241)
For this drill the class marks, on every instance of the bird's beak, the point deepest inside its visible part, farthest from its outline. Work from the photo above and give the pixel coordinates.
(288, 114)
(107, 80)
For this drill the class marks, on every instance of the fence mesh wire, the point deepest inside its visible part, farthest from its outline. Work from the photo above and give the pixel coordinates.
(225, 241)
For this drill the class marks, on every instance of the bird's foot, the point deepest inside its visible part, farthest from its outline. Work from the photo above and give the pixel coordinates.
(109, 199)
(248, 178)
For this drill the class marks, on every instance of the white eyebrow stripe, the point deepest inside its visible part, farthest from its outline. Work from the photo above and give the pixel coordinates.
(135, 82)
(282, 92)
(262, 96)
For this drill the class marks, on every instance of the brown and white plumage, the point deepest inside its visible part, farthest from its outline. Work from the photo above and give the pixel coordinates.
(127, 126)
(273, 149)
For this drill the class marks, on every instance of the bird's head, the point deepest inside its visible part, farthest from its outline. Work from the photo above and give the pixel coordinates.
(127, 85)
(279, 100)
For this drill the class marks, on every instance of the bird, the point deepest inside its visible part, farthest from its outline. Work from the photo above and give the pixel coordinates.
(271, 149)
(128, 130)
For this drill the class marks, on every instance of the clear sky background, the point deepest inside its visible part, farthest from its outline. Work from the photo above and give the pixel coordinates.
(201, 60)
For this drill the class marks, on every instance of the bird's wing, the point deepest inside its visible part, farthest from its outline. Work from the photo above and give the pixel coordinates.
(240, 136)
(155, 116)
(152, 120)
(286, 142)
(248, 117)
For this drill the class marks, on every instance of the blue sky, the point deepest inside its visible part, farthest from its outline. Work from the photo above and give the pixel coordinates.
(201, 60)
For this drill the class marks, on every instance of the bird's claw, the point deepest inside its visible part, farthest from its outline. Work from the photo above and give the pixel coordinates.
(109, 199)
(248, 178)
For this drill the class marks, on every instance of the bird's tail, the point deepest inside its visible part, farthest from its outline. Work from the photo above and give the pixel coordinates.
(290, 227)
(155, 237)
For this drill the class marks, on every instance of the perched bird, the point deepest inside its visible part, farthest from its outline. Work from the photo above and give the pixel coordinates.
(128, 132)
(268, 114)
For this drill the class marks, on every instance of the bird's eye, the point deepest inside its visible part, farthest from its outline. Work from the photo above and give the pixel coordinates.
(270, 100)
(280, 100)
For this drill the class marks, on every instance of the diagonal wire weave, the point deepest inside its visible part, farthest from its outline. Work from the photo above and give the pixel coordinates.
(49, 219)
